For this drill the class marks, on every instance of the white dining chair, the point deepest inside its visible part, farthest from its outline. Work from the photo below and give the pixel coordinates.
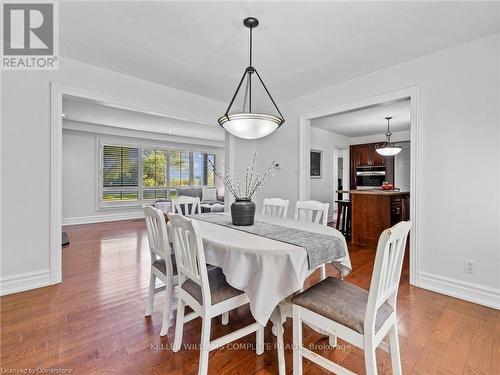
(312, 211)
(275, 207)
(185, 205)
(353, 314)
(163, 264)
(206, 292)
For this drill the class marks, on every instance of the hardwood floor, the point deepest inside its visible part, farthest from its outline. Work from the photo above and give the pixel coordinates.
(93, 323)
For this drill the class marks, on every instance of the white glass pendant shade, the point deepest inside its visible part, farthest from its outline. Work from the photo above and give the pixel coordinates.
(388, 150)
(250, 125)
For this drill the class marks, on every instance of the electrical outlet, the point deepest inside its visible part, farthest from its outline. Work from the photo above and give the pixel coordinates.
(469, 266)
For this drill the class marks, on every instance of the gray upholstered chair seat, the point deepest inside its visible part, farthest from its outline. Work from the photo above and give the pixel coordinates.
(162, 267)
(220, 290)
(341, 302)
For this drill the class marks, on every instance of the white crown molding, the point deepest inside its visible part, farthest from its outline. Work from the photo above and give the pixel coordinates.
(467, 291)
(102, 218)
(24, 281)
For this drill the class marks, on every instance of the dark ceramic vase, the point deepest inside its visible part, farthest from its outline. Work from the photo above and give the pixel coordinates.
(243, 212)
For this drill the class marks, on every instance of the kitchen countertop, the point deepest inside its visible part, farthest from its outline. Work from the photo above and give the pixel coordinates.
(374, 192)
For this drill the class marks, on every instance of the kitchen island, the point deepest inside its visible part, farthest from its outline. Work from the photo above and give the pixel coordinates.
(372, 211)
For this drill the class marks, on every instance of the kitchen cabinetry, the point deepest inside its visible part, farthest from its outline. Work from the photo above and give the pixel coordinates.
(374, 211)
(366, 155)
(375, 157)
(363, 155)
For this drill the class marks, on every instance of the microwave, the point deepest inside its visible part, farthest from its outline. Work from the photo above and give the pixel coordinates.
(370, 177)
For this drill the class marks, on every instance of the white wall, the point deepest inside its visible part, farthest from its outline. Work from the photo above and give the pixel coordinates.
(322, 189)
(25, 154)
(79, 164)
(459, 118)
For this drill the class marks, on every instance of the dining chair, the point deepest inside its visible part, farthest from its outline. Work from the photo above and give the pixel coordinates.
(206, 292)
(360, 317)
(185, 205)
(312, 211)
(163, 264)
(275, 207)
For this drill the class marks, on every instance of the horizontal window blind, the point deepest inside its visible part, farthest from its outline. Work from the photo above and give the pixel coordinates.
(120, 166)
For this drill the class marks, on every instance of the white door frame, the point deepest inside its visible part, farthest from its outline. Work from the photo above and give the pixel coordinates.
(57, 93)
(413, 93)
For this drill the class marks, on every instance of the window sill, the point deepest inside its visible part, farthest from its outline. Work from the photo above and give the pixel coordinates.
(121, 206)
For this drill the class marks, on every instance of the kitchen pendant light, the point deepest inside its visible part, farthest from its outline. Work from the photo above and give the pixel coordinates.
(388, 148)
(250, 125)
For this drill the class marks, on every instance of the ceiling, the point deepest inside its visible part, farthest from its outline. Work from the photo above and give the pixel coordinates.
(100, 114)
(368, 121)
(299, 47)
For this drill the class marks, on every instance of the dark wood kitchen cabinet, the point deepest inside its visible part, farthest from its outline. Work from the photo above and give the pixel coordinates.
(374, 211)
(376, 158)
(366, 155)
(363, 155)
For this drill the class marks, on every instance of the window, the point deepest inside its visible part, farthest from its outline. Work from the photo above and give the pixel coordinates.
(210, 181)
(179, 168)
(154, 168)
(154, 174)
(203, 173)
(148, 173)
(120, 173)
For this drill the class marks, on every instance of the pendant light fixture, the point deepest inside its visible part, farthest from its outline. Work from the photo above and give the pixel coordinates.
(250, 125)
(388, 148)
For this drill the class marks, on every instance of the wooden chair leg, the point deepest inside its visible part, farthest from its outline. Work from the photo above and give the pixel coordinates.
(345, 220)
(179, 325)
(151, 295)
(166, 310)
(297, 341)
(370, 359)
(204, 346)
(395, 355)
(339, 209)
(348, 229)
(332, 340)
(225, 318)
(281, 350)
(259, 347)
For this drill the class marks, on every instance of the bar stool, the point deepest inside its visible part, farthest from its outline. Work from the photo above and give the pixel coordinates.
(405, 208)
(344, 217)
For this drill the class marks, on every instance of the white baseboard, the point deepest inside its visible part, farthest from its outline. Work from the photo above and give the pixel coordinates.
(102, 218)
(467, 291)
(24, 281)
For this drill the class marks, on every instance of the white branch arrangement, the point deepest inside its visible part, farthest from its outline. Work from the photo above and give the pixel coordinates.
(252, 182)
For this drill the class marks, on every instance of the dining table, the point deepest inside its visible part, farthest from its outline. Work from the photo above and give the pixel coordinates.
(268, 270)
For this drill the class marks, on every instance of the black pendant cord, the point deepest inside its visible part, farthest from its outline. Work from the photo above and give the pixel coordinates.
(250, 75)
